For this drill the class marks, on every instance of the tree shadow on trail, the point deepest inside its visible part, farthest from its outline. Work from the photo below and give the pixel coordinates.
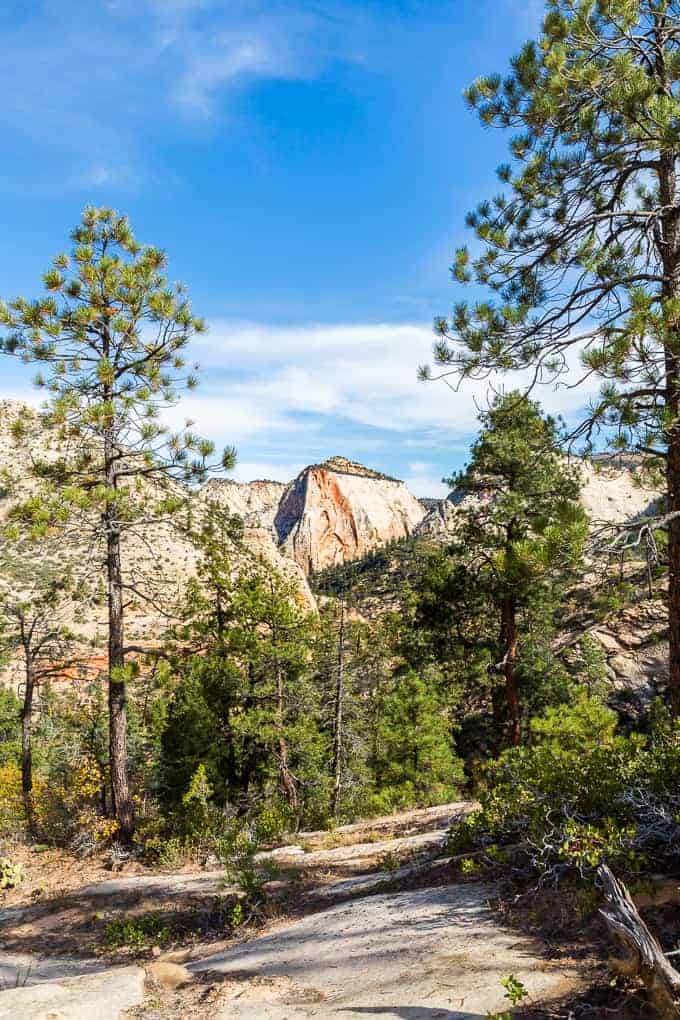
(414, 1013)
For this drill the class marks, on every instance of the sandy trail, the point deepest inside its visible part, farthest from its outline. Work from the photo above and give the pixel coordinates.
(416, 954)
(420, 954)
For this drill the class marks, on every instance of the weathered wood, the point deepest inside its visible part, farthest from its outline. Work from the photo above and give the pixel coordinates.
(645, 957)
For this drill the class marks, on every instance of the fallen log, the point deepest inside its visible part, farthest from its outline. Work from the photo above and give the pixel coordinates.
(644, 956)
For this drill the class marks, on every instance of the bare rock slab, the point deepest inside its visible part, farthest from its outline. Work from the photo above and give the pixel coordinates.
(418, 955)
(102, 996)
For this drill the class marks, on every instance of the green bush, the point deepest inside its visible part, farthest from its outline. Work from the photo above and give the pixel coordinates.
(167, 851)
(137, 932)
(414, 761)
(11, 873)
(582, 793)
(10, 744)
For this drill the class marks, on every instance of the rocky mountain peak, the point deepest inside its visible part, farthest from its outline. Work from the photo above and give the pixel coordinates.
(334, 511)
(344, 466)
(611, 492)
(340, 510)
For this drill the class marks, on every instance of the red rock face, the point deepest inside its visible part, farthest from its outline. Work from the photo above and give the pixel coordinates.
(328, 517)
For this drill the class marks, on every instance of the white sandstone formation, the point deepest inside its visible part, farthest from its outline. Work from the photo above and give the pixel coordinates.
(339, 511)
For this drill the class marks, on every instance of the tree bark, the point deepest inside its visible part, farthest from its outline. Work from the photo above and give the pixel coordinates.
(645, 957)
(287, 781)
(670, 256)
(120, 784)
(118, 760)
(338, 722)
(499, 713)
(673, 483)
(26, 741)
(285, 776)
(509, 647)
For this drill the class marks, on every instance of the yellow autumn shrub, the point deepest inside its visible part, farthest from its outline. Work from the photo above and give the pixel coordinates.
(74, 808)
(61, 809)
(12, 816)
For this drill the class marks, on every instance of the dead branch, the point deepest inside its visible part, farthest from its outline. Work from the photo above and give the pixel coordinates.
(644, 956)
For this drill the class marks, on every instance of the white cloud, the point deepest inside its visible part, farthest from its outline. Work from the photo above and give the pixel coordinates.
(217, 51)
(218, 416)
(213, 66)
(361, 374)
(294, 395)
(101, 176)
(161, 56)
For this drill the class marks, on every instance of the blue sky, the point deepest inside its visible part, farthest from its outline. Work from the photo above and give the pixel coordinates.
(306, 165)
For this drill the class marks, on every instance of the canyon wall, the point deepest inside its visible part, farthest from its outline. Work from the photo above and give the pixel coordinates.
(339, 511)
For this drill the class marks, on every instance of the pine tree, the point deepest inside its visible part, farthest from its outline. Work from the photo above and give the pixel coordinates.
(344, 649)
(111, 332)
(247, 706)
(339, 708)
(414, 761)
(582, 255)
(520, 534)
(35, 602)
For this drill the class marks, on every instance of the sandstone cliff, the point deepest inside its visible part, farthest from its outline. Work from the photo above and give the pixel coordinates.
(614, 494)
(160, 556)
(611, 493)
(339, 511)
(256, 502)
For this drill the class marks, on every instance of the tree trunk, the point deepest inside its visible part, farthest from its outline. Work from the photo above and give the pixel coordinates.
(509, 647)
(338, 723)
(26, 742)
(669, 254)
(673, 500)
(499, 713)
(673, 497)
(287, 781)
(644, 956)
(118, 762)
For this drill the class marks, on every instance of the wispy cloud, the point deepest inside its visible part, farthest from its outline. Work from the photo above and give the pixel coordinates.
(224, 61)
(296, 394)
(365, 373)
(274, 40)
(290, 396)
(101, 176)
(90, 92)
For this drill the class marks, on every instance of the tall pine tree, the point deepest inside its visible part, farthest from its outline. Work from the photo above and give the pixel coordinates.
(112, 333)
(519, 535)
(581, 255)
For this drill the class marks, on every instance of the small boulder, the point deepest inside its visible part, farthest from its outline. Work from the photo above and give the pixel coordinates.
(168, 975)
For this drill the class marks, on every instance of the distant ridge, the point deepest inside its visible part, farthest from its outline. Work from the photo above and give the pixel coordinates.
(344, 466)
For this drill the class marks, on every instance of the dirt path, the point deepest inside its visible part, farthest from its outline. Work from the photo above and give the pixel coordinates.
(354, 950)
(420, 954)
